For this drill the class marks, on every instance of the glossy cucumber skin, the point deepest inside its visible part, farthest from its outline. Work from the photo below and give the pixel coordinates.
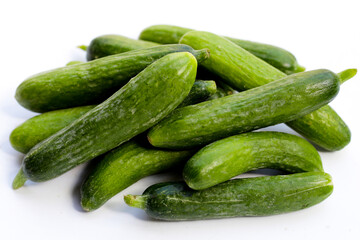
(91, 82)
(229, 157)
(275, 56)
(259, 196)
(279, 101)
(107, 45)
(140, 104)
(242, 70)
(38, 128)
(124, 166)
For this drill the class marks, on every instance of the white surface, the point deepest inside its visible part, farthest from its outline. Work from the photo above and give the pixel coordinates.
(37, 36)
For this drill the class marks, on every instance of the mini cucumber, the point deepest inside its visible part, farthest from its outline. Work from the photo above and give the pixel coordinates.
(91, 82)
(124, 166)
(280, 101)
(229, 157)
(275, 56)
(113, 44)
(140, 104)
(242, 71)
(259, 196)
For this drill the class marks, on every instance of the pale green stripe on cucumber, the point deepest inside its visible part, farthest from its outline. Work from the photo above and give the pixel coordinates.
(91, 82)
(242, 71)
(280, 101)
(277, 57)
(140, 104)
(232, 156)
(258, 196)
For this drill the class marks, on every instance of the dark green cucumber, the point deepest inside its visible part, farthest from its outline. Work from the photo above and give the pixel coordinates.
(280, 101)
(124, 166)
(113, 44)
(259, 196)
(277, 57)
(229, 157)
(40, 127)
(140, 104)
(242, 70)
(91, 82)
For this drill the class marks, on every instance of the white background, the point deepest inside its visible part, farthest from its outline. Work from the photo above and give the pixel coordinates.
(41, 35)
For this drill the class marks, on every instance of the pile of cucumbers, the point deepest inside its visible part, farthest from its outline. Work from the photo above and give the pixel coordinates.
(183, 99)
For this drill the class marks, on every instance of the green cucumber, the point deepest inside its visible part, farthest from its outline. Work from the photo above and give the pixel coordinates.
(259, 196)
(74, 63)
(242, 71)
(280, 101)
(38, 128)
(124, 166)
(229, 157)
(113, 44)
(140, 104)
(91, 82)
(275, 56)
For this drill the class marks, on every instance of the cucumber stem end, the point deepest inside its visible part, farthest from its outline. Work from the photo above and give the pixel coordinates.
(19, 180)
(347, 74)
(137, 201)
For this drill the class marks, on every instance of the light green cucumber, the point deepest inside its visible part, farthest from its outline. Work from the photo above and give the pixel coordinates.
(229, 157)
(140, 104)
(259, 196)
(124, 166)
(275, 56)
(91, 82)
(242, 70)
(280, 101)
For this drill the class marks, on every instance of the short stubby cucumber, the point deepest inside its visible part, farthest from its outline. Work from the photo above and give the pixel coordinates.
(91, 82)
(280, 101)
(106, 45)
(229, 157)
(140, 104)
(38, 128)
(124, 166)
(277, 57)
(242, 70)
(259, 196)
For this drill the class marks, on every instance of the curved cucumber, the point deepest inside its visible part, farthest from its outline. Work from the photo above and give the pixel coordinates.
(140, 104)
(242, 70)
(275, 56)
(229, 157)
(259, 196)
(113, 44)
(91, 82)
(279, 101)
(124, 166)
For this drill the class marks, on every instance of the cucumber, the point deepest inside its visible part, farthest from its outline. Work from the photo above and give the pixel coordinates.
(124, 166)
(113, 44)
(73, 63)
(38, 128)
(275, 56)
(259, 196)
(280, 101)
(140, 104)
(242, 71)
(229, 157)
(91, 82)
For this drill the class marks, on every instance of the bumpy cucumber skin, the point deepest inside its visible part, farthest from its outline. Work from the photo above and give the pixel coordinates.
(323, 127)
(124, 166)
(260, 196)
(229, 157)
(91, 82)
(275, 56)
(40, 127)
(241, 70)
(140, 104)
(113, 44)
(279, 101)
